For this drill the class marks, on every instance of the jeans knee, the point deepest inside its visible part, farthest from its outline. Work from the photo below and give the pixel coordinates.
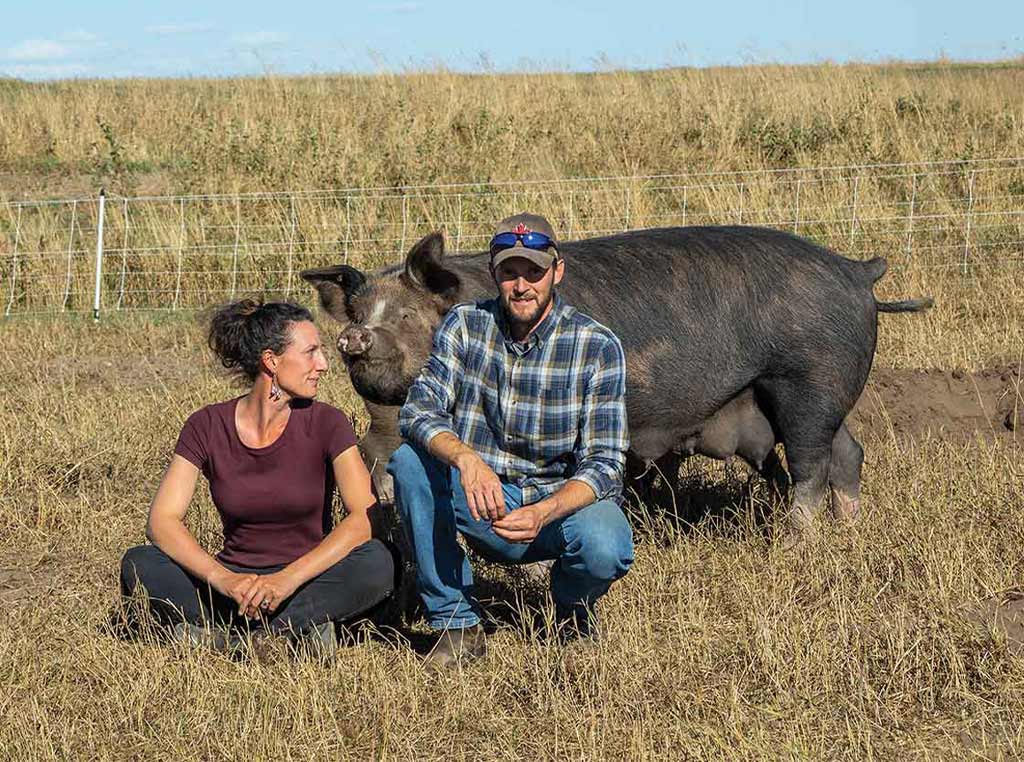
(380, 571)
(606, 548)
(606, 560)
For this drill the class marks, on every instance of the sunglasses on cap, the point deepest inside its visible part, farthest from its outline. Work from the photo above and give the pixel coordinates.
(531, 240)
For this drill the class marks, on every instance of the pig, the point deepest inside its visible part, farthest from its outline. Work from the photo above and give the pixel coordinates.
(736, 338)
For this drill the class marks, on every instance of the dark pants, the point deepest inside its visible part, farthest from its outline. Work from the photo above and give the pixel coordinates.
(355, 584)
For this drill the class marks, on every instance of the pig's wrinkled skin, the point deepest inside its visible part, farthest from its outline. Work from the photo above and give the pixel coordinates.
(736, 338)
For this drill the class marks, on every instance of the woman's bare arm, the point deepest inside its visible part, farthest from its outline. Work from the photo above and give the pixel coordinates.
(166, 529)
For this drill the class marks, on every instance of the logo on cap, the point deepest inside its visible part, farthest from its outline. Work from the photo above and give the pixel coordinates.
(521, 229)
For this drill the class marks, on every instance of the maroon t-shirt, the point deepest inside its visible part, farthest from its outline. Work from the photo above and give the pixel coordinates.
(274, 501)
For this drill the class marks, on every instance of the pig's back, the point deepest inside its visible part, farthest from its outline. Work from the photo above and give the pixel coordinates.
(704, 311)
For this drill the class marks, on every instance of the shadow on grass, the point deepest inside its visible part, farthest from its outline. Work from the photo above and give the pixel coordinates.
(726, 504)
(509, 597)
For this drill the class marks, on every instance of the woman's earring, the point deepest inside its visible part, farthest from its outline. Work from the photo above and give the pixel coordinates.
(275, 390)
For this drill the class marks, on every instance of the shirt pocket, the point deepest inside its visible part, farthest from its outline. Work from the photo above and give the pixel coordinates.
(558, 417)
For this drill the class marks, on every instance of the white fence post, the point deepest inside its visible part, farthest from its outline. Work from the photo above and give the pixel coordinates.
(405, 220)
(967, 230)
(99, 257)
(14, 263)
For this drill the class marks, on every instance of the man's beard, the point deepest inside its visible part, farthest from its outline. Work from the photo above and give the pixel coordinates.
(529, 320)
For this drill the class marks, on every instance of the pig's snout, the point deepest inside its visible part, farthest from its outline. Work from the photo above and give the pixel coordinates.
(355, 341)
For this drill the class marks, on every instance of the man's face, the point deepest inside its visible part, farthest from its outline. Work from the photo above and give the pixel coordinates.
(526, 289)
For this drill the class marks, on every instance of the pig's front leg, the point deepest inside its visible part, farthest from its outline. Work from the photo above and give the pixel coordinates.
(377, 446)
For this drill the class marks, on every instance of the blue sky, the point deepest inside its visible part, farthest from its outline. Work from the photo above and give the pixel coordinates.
(49, 39)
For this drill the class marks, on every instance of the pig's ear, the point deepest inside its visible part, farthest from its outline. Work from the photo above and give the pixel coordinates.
(336, 285)
(423, 266)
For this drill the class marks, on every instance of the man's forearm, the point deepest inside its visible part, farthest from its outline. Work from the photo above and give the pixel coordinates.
(449, 449)
(572, 496)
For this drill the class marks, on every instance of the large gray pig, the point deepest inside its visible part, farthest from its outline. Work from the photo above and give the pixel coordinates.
(736, 338)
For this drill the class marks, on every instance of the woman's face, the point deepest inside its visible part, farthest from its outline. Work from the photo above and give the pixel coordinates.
(302, 363)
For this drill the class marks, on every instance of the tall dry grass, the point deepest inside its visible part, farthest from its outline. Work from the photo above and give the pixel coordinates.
(387, 130)
(717, 645)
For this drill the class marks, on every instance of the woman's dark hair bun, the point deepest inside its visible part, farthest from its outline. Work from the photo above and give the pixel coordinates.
(240, 331)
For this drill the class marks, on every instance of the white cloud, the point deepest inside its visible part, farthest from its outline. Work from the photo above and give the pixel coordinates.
(259, 39)
(37, 50)
(168, 30)
(79, 35)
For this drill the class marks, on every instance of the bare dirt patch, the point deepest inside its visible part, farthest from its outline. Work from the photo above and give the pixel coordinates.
(25, 577)
(1003, 614)
(947, 403)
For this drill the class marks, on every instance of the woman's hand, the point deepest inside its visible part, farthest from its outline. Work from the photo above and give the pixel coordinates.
(267, 592)
(233, 585)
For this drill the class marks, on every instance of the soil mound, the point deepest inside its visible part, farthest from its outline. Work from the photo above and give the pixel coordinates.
(948, 403)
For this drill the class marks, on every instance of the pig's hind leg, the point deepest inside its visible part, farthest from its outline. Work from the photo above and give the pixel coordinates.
(807, 420)
(844, 475)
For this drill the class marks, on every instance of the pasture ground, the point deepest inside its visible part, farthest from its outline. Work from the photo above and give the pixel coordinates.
(878, 640)
(898, 637)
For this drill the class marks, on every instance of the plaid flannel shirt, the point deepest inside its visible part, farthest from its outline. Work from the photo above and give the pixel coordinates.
(538, 413)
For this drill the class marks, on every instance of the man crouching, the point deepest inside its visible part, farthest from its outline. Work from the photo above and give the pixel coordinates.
(516, 438)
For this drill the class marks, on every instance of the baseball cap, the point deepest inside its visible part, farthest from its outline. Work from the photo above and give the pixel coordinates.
(529, 236)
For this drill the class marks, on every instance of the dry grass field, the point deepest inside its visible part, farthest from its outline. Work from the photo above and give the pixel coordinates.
(894, 638)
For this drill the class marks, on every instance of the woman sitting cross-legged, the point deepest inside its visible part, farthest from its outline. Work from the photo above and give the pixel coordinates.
(272, 458)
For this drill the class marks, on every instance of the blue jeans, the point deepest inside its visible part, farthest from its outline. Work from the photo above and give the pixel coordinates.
(593, 547)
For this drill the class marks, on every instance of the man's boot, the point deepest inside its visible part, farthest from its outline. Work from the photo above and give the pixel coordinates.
(459, 645)
(575, 624)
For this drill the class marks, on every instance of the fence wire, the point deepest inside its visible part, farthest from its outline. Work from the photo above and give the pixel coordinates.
(187, 252)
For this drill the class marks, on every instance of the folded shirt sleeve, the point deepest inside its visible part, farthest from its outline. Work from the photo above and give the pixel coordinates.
(337, 432)
(428, 408)
(194, 439)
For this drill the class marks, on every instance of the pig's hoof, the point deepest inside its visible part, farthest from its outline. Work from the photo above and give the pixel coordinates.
(797, 531)
(844, 507)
